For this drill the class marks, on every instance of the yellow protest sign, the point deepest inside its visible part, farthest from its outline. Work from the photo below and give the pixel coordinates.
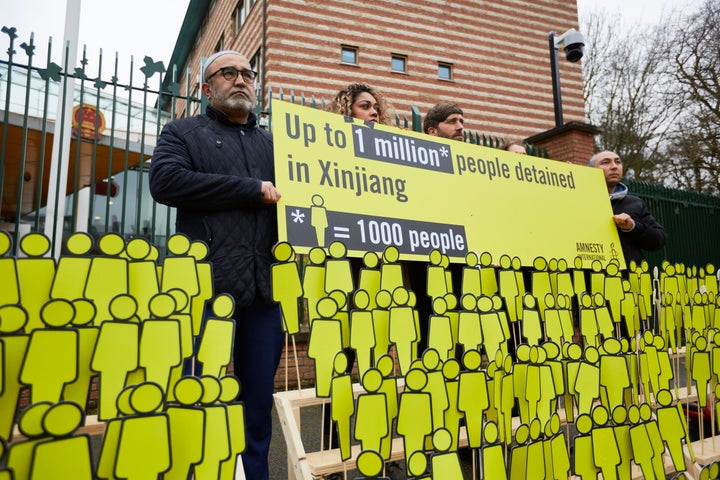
(371, 186)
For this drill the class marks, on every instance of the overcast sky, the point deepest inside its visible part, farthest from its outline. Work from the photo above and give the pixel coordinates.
(151, 27)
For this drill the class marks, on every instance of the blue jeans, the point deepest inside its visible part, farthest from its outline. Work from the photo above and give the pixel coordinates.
(259, 341)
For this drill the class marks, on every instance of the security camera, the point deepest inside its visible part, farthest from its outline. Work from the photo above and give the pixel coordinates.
(574, 43)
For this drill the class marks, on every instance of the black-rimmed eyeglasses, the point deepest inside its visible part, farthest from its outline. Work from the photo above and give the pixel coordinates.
(231, 74)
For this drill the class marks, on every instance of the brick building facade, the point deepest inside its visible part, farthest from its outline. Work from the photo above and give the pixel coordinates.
(490, 57)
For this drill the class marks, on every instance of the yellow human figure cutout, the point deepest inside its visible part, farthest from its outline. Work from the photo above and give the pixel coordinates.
(583, 449)
(553, 329)
(362, 331)
(10, 293)
(499, 308)
(469, 331)
(186, 426)
(578, 278)
(370, 465)
(342, 403)
(414, 420)
(666, 372)
(116, 353)
(52, 354)
(564, 305)
(700, 370)
(440, 337)
(602, 315)
(613, 291)
(564, 280)
(649, 364)
(187, 346)
(559, 455)
(587, 383)
(621, 429)
(520, 367)
(656, 441)
(143, 281)
(551, 354)
(73, 268)
(492, 454)
(699, 320)
(445, 463)
(372, 418)
(179, 269)
(287, 286)
(386, 366)
(338, 274)
(673, 430)
(453, 416)
(614, 374)
(229, 391)
(403, 333)
(645, 297)
(532, 328)
(215, 348)
(5, 473)
(14, 345)
(108, 276)
(588, 320)
(325, 342)
(436, 285)
(494, 332)
(108, 453)
(505, 396)
(488, 276)
(470, 283)
(473, 396)
(159, 349)
(508, 289)
(313, 281)
(143, 449)
(417, 466)
(35, 276)
(436, 388)
(318, 218)
(342, 315)
(391, 271)
(606, 453)
(669, 328)
(597, 278)
(518, 453)
(540, 278)
(216, 443)
(571, 358)
(535, 469)
(62, 455)
(642, 449)
(369, 277)
(199, 251)
(20, 454)
(629, 310)
(381, 322)
(550, 388)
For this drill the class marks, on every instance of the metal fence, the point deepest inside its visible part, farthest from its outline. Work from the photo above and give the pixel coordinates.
(102, 132)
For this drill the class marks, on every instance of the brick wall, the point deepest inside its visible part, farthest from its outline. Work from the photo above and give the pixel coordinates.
(499, 52)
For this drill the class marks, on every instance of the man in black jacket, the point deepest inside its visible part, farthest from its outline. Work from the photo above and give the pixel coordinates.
(637, 228)
(217, 169)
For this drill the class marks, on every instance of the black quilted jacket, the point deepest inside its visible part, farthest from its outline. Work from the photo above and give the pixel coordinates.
(211, 171)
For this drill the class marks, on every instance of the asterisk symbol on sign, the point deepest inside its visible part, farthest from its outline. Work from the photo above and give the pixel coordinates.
(298, 216)
(444, 151)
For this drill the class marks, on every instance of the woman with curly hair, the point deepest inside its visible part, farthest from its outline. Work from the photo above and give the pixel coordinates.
(363, 102)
